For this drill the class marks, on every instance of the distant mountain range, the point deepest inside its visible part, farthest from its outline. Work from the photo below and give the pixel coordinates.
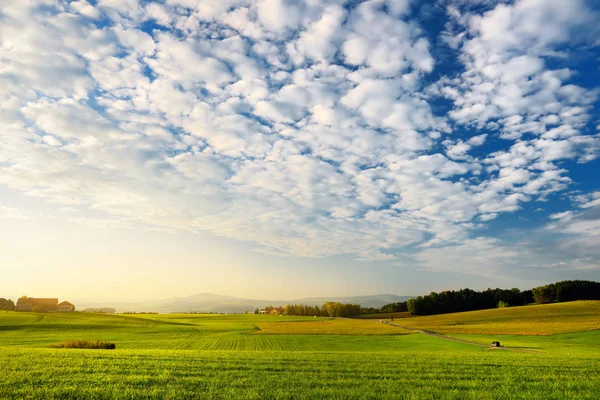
(209, 302)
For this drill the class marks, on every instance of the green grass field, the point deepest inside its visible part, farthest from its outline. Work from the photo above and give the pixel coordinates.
(548, 319)
(258, 356)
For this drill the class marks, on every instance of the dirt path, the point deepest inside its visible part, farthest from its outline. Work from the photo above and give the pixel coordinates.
(439, 336)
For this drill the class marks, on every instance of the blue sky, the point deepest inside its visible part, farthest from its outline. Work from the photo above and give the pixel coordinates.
(290, 148)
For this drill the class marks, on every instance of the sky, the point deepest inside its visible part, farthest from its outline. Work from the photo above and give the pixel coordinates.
(279, 149)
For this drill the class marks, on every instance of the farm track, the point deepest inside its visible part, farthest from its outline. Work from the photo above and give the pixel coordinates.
(440, 336)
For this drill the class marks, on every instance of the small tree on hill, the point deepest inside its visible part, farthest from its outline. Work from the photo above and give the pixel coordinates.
(502, 304)
(544, 294)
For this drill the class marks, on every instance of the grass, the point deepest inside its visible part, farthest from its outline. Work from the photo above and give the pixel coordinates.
(383, 315)
(446, 374)
(548, 319)
(327, 327)
(576, 343)
(268, 357)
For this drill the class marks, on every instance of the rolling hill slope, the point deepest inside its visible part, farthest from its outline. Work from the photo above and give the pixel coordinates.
(545, 319)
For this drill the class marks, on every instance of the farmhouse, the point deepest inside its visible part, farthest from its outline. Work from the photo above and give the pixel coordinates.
(43, 304)
(65, 306)
(28, 303)
(272, 310)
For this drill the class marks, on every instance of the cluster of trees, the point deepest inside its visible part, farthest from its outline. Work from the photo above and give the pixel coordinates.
(6, 304)
(567, 291)
(467, 300)
(329, 309)
(301, 309)
(394, 307)
(335, 309)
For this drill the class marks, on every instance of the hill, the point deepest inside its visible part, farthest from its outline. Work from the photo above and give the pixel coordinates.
(535, 319)
(209, 302)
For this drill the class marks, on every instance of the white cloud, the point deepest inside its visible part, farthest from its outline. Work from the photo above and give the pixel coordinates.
(278, 15)
(159, 13)
(136, 41)
(51, 140)
(85, 8)
(319, 41)
(304, 127)
(507, 80)
(580, 230)
(7, 212)
(385, 44)
(479, 256)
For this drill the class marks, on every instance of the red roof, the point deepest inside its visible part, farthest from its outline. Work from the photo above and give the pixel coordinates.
(66, 303)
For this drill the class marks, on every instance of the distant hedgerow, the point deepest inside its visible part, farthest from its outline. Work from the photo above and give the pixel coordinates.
(84, 344)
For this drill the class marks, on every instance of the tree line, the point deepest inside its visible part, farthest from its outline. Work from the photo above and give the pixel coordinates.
(469, 300)
(567, 291)
(328, 309)
(6, 304)
(394, 307)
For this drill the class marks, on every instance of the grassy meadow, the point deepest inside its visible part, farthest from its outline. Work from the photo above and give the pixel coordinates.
(262, 356)
(548, 319)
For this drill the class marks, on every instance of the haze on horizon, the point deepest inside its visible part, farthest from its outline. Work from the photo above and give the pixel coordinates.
(281, 149)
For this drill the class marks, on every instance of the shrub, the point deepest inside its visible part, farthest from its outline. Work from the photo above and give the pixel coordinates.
(502, 304)
(84, 344)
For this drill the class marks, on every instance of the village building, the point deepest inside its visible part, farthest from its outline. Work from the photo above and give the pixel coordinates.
(65, 306)
(43, 305)
(28, 303)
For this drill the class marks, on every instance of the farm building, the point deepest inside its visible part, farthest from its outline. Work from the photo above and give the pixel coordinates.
(272, 310)
(65, 306)
(28, 303)
(43, 304)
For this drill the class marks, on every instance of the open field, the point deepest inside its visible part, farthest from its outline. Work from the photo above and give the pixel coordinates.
(384, 315)
(258, 357)
(329, 327)
(548, 319)
(577, 343)
(447, 374)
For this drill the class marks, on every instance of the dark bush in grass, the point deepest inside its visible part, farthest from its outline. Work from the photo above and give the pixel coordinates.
(84, 344)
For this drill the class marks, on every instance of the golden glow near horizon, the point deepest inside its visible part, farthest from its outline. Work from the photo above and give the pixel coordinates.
(55, 257)
(286, 149)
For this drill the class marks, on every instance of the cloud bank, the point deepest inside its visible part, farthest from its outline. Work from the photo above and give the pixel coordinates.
(309, 128)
